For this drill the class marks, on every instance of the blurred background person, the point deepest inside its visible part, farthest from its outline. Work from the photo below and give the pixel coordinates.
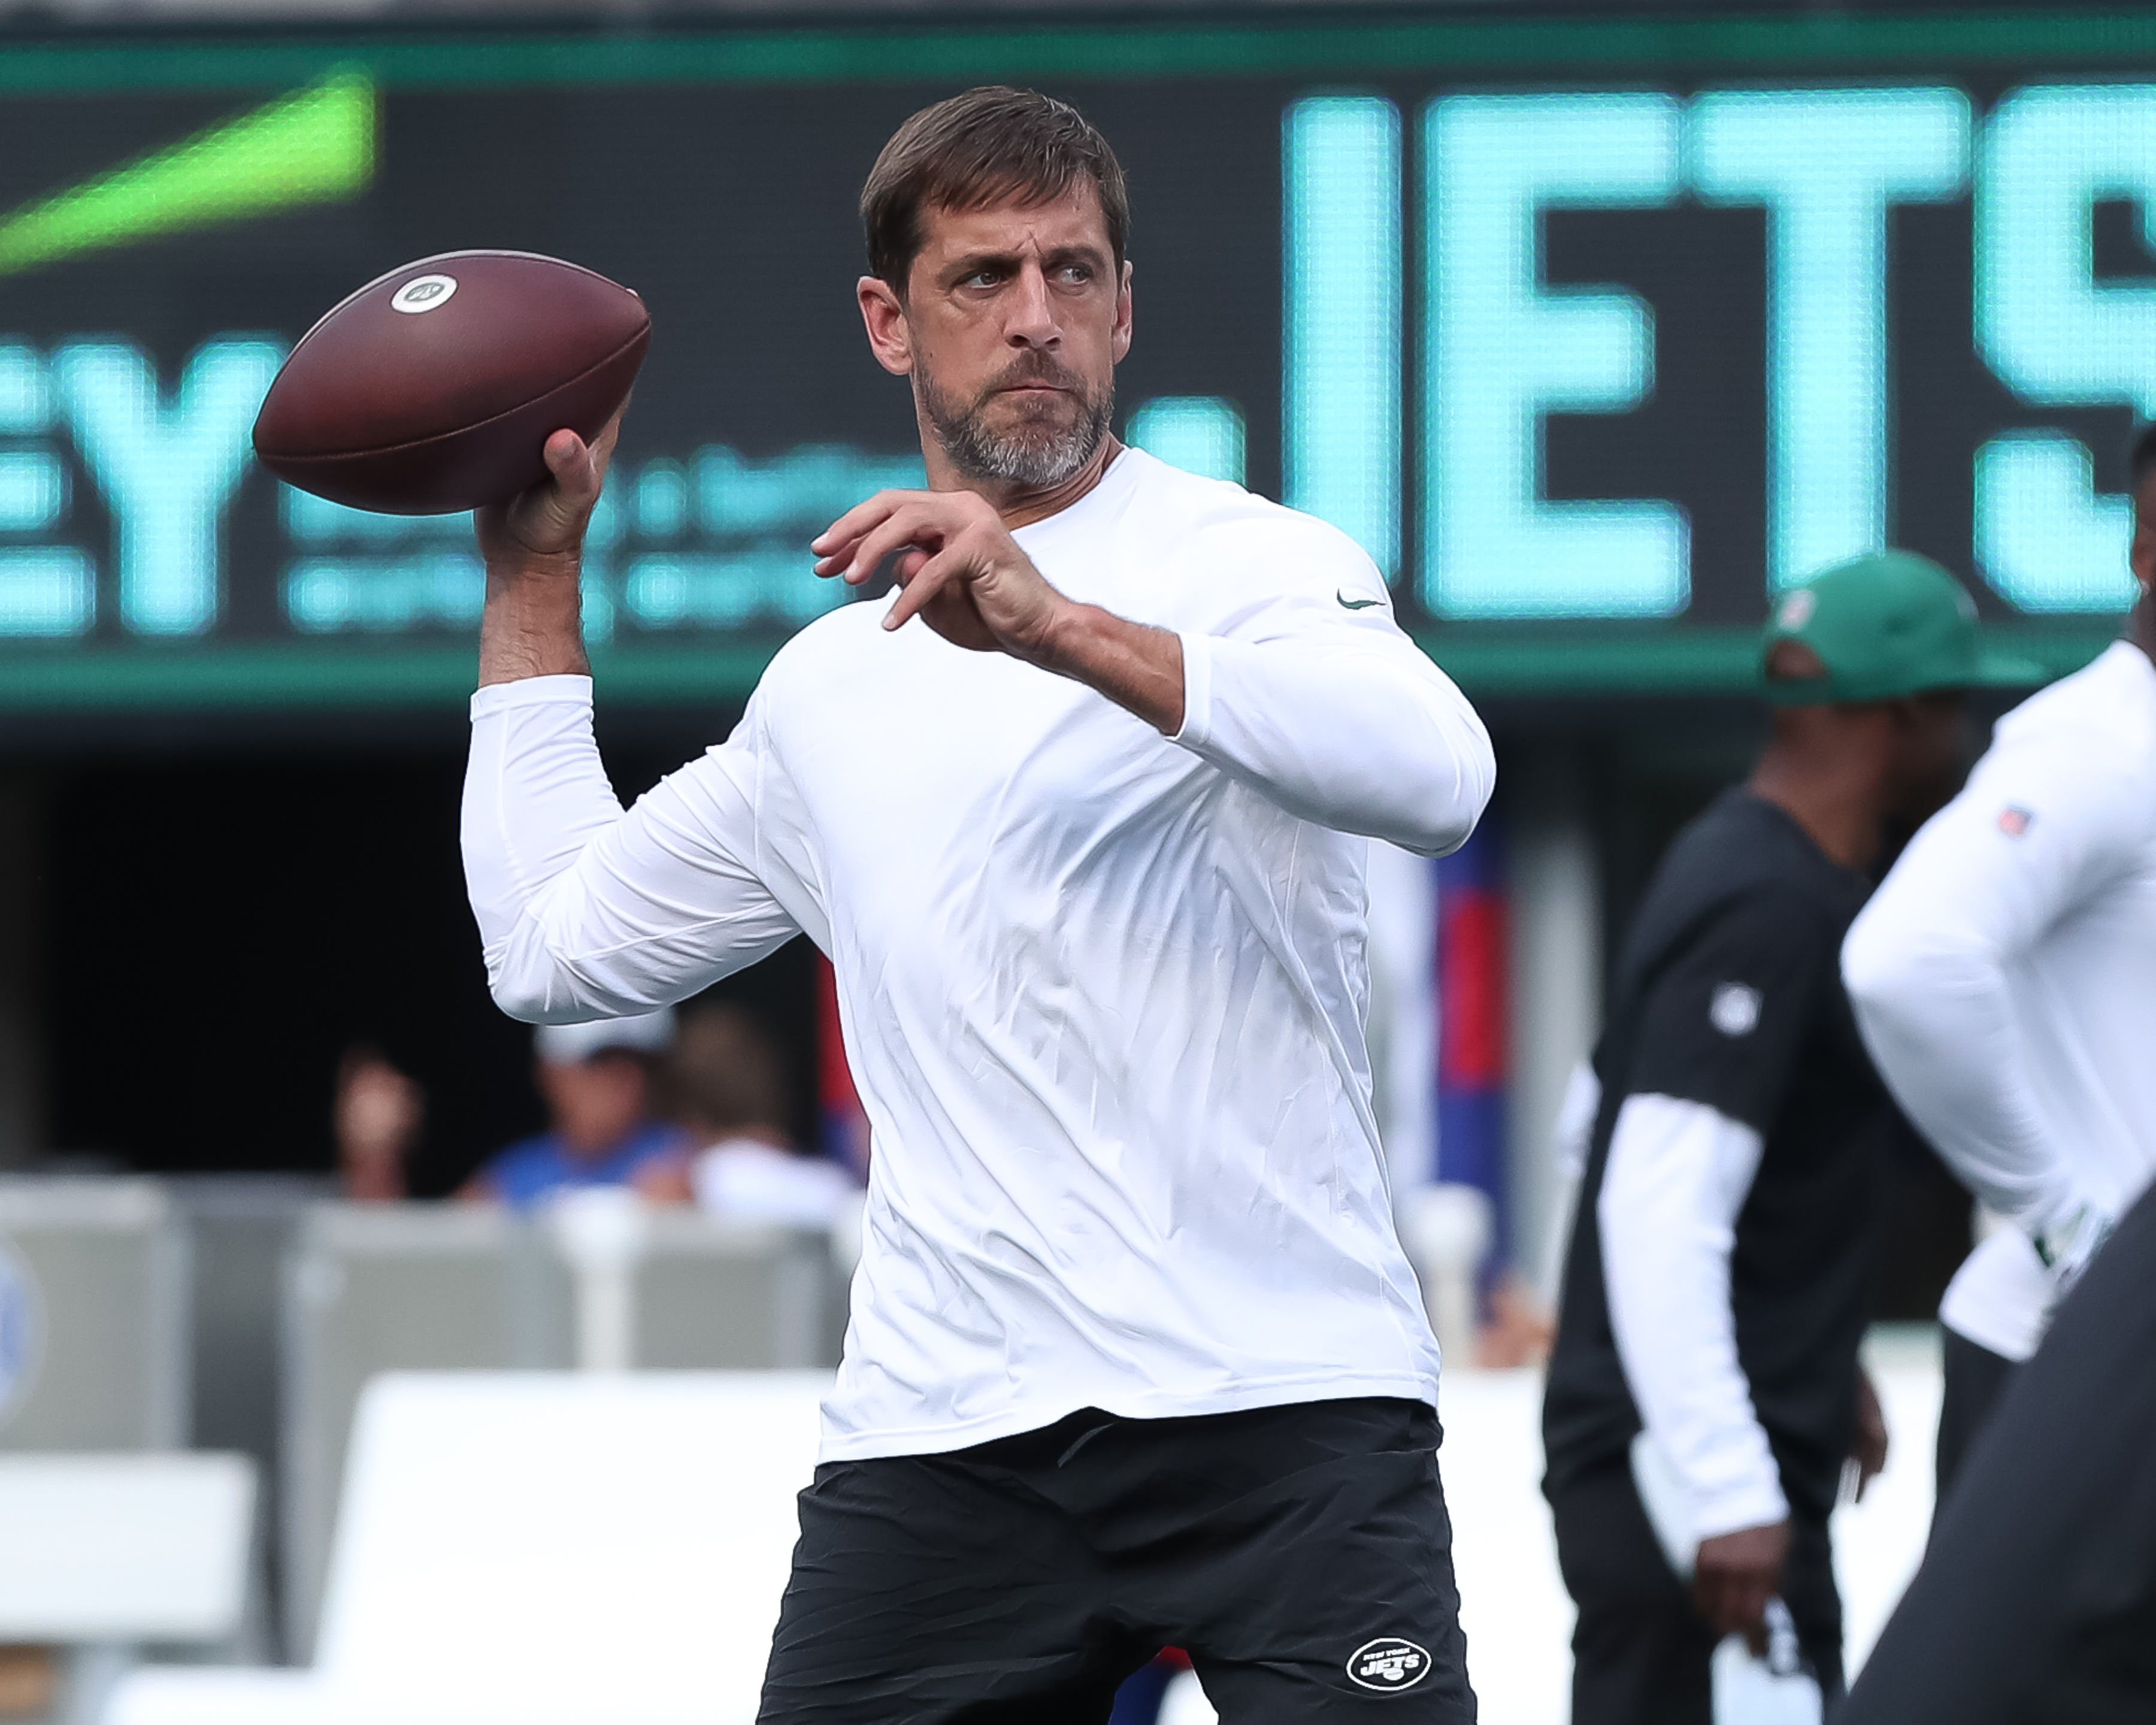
(599, 1082)
(731, 1087)
(1704, 1393)
(376, 1116)
(2004, 977)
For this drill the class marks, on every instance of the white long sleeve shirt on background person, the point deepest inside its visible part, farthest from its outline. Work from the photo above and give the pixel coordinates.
(2005, 977)
(1678, 1174)
(1102, 991)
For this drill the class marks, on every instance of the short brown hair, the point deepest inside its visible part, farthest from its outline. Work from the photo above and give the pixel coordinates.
(729, 1074)
(990, 146)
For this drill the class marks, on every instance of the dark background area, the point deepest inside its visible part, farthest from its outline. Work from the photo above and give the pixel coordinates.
(221, 927)
(225, 913)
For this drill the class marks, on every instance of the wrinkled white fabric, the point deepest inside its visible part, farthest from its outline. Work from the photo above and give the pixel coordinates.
(1403, 1018)
(1678, 1174)
(2001, 975)
(1103, 992)
(2001, 1297)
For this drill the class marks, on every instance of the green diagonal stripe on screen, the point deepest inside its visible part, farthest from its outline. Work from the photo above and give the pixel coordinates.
(315, 146)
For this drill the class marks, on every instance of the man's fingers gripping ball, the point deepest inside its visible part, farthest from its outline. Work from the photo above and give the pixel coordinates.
(549, 519)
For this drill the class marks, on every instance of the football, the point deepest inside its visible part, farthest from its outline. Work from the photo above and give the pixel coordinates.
(434, 388)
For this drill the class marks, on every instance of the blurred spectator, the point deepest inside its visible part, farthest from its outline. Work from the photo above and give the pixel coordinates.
(598, 1082)
(376, 1117)
(732, 1088)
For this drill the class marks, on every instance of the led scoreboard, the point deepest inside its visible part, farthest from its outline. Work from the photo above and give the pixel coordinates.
(1595, 335)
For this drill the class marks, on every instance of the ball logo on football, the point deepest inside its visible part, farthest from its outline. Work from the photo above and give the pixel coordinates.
(424, 293)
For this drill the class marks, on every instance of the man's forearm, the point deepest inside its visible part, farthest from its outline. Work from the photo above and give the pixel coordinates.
(1352, 730)
(1935, 1005)
(533, 624)
(1138, 667)
(1677, 1174)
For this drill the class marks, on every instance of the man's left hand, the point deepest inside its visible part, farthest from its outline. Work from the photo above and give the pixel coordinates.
(1868, 1448)
(957, 567)
(1733, 1576)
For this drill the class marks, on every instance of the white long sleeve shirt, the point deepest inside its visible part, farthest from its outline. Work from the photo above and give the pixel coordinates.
(1679, 1173)
(1102, 991)
(2005, 977)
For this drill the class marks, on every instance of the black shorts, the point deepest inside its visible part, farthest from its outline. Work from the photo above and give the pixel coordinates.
(1972, 1379)
(1301, 1555)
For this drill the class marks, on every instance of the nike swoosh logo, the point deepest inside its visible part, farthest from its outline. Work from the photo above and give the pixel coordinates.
(315, 146)
(1348, 605)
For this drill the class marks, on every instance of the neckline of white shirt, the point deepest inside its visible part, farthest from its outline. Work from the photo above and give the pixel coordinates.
(1115, 481)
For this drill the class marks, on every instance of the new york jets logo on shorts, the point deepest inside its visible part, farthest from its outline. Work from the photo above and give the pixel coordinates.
(1388, 1663)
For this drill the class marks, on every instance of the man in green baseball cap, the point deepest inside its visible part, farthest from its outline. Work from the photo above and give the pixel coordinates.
(1867, 665)
(1704, 1394)
(1886, 626)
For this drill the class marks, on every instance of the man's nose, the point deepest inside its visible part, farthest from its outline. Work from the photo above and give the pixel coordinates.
(1032, 321)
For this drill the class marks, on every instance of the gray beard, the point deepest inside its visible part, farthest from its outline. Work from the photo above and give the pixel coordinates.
(1037, 456)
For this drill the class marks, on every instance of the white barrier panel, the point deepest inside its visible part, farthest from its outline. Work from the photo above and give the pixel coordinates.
(1512, 1605)
(541, 1549)
(93, 1316)
(1878, 1544)
(124, 1547)
(627, 1551)
(466, 1288)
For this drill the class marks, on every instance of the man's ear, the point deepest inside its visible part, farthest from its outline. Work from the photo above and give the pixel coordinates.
(1922, 709)
(1122, 347)
(883, 314)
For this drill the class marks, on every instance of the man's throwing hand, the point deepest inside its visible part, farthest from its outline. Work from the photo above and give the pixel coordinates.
(957, 567)
(546, 525)
(534, 548)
